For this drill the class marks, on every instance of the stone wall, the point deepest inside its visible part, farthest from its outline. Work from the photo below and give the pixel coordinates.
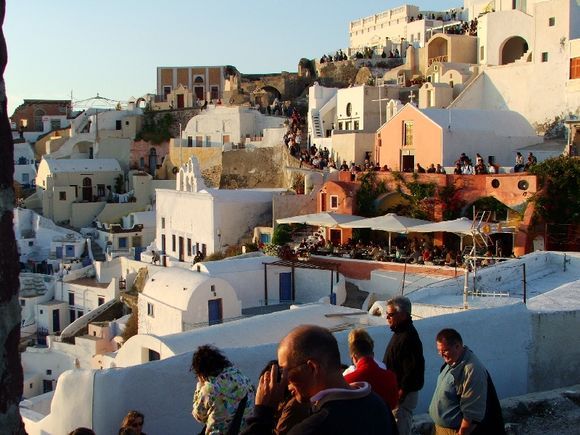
(252, 168)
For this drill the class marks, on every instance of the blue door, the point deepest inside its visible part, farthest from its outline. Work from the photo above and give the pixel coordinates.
(70, 250)
(265, 238)
(59, 252)
(285, 287)
(215, 311)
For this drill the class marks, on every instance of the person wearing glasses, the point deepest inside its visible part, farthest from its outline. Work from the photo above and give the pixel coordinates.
(404, 356)
(133, 422)
(465, 401)
(309, 362)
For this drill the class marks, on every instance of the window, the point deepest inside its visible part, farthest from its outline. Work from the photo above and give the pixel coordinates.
(166, 91)
(141, 162)
(100, 300)
(552, 21)
(214, 92)
(198, 141)
(31, 243)
(162, 223)
(118, 124)
(347, 125)
(356, 125)
(38, 124)
(122, 242)
(62, 196)
(100, 190)
(189, 247)
(71, 298)
(207, 141)
(54, 124)
(49, 372)
(189, 141)
(333, 201)
(173, 242)
(340, 125)
(545, 56)
(150, 309)
(22, 302)
(212, 288)
(41, 312)
(575, 68)
(348, 109)
(408, 133)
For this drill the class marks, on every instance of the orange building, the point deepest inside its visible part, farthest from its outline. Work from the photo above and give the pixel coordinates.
(205, 82)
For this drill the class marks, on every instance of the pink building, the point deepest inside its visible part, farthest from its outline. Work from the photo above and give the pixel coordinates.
(147, 156)
(428, 136)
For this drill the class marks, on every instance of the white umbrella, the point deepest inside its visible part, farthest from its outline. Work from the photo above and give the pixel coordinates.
(460, 226)
(390, 222)
(323, 219)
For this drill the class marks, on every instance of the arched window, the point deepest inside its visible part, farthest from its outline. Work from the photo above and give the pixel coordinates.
(198, 79)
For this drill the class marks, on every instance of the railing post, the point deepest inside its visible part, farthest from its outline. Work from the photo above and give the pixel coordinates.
(524, 281)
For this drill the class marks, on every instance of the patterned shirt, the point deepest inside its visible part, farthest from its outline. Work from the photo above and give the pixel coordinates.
(216, 400)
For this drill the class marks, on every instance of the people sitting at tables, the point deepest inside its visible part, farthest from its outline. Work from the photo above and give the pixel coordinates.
(450, 258)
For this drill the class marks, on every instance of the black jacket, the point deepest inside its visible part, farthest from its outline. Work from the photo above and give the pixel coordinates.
(363, 415)
(404, 356)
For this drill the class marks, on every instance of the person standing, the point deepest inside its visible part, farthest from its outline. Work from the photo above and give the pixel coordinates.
(223, 397)
(465, 401)
(404, 356)
(383, 381)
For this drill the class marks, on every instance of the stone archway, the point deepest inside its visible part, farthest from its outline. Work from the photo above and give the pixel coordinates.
(438, 50)
(512, 49)
(266, 95)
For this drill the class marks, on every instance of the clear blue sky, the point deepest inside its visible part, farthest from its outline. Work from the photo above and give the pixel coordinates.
(114, 46)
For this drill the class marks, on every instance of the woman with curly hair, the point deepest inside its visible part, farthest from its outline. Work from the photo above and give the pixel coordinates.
(223, 397)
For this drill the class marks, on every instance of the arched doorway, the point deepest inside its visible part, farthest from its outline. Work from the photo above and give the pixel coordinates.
(87, 189)
(152, 161)
(199, 88)
(513, 49)
(266, 96)
(438, 50)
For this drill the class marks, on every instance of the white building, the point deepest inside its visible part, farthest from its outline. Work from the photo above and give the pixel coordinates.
(39, 239)
(129, 238)
(195, 219)
(24, 165)
(222, 126)
(176, 300)
(258, 282)
(530, 52)
(99, 133)
(396, 27)
(345, 120)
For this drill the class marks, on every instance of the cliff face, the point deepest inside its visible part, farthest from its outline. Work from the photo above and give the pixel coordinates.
(260, 167)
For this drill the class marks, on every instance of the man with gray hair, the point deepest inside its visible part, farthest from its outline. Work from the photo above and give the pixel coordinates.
(404, 356)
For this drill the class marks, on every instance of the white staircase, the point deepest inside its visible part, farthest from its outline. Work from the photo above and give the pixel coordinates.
(316, 125)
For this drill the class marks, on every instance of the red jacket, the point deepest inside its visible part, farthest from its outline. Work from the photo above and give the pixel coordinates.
(383, 382)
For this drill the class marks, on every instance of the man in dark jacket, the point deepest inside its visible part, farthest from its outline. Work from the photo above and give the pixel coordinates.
(310, 363)
(404, 356)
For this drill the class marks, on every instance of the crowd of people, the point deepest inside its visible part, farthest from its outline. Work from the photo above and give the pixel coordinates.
(464, 28)
(308, 390)
(411, 251)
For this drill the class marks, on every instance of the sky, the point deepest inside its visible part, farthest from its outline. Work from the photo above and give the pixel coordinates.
(113, 47)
